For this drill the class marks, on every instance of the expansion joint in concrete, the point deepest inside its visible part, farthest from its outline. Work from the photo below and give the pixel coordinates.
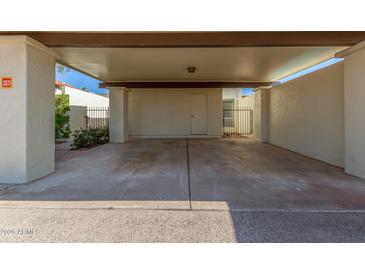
(188, 170)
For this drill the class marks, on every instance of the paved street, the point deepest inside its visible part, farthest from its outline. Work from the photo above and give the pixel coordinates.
(122, 225)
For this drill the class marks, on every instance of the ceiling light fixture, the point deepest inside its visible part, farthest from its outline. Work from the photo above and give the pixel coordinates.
(191, 69)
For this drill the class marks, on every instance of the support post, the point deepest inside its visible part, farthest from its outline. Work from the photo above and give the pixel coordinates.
(261, 115)
(118, 122)
(354, 95)
(27, 91)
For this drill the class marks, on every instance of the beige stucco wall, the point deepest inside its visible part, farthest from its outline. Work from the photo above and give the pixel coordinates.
(306, 115)
(118, 121)
(40, 113)
(231, 93)
(166, 112)
(27, 143)
(77, 117)
(261, 115)
(84, 98)
(248, 101)
(13, 115)
(355, 113)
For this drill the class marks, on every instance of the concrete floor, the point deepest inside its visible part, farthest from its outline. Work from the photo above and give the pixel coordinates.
(228, 174)
(140, 174)
(222, 190)
(243, 174)
(64, 152)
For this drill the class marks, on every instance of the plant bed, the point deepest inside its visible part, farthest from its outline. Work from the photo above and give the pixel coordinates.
(90, 137)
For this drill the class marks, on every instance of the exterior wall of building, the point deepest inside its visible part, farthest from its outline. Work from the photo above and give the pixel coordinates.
(83, 98)
(13, 115)
(355, 113)
(118, 122)
(26, 110)
(261, 115)
(79, 101)
(167, 112)
(77, 117)
(248, 101)
(306, 115)
(231, 93)
(40, 113)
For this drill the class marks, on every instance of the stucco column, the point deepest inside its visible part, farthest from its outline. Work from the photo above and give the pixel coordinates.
(118, 122)
(27, 90)
(354, 95)
(261, 115)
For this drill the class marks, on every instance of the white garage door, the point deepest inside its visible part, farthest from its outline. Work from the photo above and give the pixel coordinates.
(174, 113)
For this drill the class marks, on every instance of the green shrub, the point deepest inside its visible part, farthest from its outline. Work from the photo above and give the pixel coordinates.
(89, 137)
(62, 118)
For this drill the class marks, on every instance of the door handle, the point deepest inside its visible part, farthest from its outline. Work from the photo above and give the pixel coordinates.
(191, 115)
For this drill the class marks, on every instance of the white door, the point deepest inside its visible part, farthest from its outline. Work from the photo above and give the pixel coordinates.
(199, 114)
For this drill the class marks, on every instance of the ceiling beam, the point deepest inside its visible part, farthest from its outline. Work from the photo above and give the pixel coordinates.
(196, 39)
(142, 85)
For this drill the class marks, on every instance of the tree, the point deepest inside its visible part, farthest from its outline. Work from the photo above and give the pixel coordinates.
(62, 69)
(62, 118)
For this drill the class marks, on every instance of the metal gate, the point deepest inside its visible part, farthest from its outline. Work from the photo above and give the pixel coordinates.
(237, 121)
(97, 117)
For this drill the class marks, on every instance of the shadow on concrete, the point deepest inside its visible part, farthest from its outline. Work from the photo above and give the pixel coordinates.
(299, 227)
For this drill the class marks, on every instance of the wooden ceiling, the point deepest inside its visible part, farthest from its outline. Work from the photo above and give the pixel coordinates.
(196, 39)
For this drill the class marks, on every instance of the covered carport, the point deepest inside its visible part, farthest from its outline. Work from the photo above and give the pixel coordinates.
(153, 96)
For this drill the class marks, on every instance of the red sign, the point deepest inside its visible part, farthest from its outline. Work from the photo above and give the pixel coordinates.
(6, 82)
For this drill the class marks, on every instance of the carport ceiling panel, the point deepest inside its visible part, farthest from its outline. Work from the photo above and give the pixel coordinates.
(214, 64)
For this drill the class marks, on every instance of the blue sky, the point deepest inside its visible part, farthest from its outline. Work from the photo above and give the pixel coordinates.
(310, 69)
(246, 91)
(80, 80)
